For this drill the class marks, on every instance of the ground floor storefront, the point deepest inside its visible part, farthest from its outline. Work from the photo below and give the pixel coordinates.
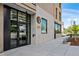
(15, 26)
(24, 24)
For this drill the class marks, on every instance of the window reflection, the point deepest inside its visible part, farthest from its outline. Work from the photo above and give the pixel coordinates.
(57, 28)
(44, 26)
(13, 14)
(21, 17)
(13, 20)
(22, 27)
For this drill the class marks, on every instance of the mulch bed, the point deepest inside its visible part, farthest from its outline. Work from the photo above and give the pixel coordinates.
(74, 42)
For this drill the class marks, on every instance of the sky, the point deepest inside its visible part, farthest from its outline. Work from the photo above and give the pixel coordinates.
(70, 12)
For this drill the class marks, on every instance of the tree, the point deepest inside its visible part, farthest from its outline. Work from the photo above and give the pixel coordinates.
(68, 30)
(74, 29)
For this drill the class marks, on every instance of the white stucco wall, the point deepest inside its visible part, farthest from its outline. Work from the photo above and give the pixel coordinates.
(41, 38)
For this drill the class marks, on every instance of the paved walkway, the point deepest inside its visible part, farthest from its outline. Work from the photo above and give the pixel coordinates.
(50, 48)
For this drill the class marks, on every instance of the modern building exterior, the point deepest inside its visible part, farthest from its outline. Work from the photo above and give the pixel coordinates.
(57, 20)
(28, 24)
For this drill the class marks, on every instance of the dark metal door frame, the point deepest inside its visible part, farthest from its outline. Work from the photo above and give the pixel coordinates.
(6, 28)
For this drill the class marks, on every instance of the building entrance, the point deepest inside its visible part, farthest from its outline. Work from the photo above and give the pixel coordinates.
(18, 28)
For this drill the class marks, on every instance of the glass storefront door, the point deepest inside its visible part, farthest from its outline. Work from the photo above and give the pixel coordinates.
(22, 28)
(19, 28)
(13, 28)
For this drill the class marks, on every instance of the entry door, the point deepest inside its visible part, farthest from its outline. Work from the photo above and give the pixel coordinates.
(23, 37)
(17, 28)
(20, 29)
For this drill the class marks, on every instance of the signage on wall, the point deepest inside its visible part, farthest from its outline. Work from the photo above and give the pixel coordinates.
(38, 19)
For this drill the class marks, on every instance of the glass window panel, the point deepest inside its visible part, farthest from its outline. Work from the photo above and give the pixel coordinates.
(13, 26)
(13, 14)
(22, 33)
(22, 28)
(21, 17)
(57, 28)
(44, 26)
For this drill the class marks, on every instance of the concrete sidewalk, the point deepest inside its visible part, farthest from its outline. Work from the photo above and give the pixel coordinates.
(51, 48)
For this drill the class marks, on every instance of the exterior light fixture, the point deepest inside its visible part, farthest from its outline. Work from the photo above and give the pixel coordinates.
(38, 19)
